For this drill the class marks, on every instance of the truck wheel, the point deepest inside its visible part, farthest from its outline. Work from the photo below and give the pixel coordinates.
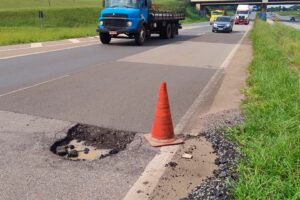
(166, 32)
(173, 30)
(140, 37)
(169, 31)
(105, 38)
(148, 34)
(176, 30)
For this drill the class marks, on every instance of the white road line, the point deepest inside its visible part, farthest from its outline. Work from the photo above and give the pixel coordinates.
(156, 167)
(21, 48)
(53, 45)
(74, 41)
(233, 51)
(194, 27)
(36, 45)
(46, 51)
(32, 86)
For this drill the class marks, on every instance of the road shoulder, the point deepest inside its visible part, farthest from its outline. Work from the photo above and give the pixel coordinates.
(221, 106)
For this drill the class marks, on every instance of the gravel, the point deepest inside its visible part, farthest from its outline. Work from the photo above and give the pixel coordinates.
(98, 137)
(215, 188)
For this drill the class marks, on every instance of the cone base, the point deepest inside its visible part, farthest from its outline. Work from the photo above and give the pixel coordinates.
(158, 143)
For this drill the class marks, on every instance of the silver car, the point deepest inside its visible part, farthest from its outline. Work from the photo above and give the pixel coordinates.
(223, 24)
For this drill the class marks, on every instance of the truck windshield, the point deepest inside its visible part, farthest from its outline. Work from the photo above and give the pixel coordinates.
(217, 13)
(242, 12)
(121, 3)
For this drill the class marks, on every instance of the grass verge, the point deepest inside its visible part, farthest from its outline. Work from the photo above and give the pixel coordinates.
(46, 4)
(17, 35)
(270, 135)
(23, 26)
(184, 6)
(192, 16)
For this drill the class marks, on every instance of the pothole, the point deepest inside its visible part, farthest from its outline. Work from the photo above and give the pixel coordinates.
(86, 142)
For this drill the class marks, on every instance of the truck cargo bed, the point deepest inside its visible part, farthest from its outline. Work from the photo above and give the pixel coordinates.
(157, 15)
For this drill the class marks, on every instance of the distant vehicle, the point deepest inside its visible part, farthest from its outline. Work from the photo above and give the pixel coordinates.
(223, 24)
(137, 19)
(216, 13)
(255, 8)
(292, 19)
(242, 15)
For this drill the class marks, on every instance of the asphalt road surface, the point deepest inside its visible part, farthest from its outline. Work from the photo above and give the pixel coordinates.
(114, 86)
(106, 85)
(285, 20)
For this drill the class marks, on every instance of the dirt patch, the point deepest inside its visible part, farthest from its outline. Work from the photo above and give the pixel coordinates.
(87, 142)
(183, 173)
(216, 187)
(212, 161)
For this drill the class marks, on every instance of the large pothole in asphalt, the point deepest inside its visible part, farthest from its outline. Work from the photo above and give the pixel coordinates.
(86, 142)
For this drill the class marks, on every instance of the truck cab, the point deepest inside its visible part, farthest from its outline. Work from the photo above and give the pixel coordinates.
(242, 15)
(215, 14)
(135, 19)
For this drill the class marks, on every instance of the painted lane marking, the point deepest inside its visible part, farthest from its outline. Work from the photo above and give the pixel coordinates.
(74, 41)
(194, 27)
(156, 167)
(32, 86)
(47, 51)
(228, 59)
(44, 45)
(36, 45)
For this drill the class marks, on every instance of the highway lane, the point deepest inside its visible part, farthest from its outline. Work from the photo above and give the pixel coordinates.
(21, 71)
(285, 20)
(115, 86)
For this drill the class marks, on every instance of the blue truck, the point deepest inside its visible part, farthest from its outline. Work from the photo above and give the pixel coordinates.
(136, 19)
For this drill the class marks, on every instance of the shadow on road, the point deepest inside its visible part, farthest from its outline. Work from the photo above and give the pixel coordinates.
(224, 38)
(153, 41)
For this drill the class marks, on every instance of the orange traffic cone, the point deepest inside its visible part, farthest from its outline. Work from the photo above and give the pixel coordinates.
(162, 130)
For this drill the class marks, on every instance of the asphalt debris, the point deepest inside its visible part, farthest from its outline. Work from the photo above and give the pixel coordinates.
(86, 150)
(73, 154)
(92, 139)
(171, 164)
(216, 187)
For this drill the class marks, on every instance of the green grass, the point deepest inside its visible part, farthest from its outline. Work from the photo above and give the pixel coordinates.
(59, 23)
(38, 4)
(63, 18)
(289, 41)
(58, 17)
(183, 6)
(13, 35)
(270, 135)
(192, 16)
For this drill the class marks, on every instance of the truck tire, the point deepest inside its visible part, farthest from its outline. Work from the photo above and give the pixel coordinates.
(105, 38)
(176, 30)
(173, 30)
(169, 31)
(166, 31)
(140, 37)
(148, 34)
